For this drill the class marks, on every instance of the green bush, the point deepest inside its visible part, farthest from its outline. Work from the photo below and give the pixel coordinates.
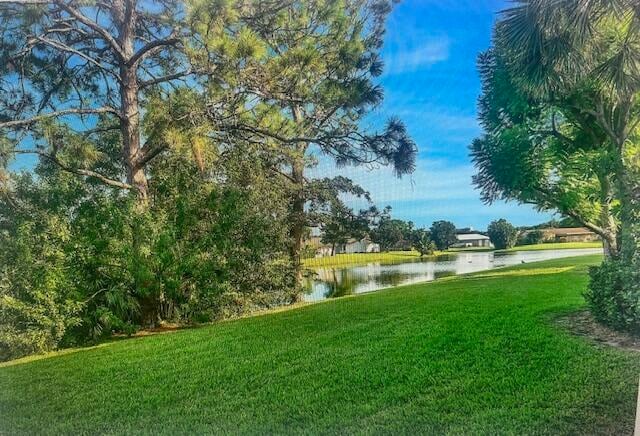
(80, 262)
(613, 295)
(532, 237)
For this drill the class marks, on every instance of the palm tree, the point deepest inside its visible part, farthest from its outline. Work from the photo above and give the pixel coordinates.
(586, 52)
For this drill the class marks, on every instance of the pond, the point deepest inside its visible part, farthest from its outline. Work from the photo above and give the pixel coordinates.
(340, 281)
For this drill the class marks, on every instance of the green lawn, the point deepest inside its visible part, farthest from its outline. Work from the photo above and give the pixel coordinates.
(360, 258)
(556, 246)
(470, 355)
(402, 256)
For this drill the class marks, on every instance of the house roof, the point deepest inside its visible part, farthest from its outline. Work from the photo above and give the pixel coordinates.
(472, 237)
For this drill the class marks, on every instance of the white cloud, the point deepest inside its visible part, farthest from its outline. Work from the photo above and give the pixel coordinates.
(432, 180)
(425, 53)
(438, 189)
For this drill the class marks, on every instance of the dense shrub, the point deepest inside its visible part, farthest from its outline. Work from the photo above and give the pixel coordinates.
(532, 237)
(80, 261)
(37, 302)
(613, 295)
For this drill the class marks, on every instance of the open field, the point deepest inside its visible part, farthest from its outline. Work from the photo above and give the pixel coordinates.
(474, 354)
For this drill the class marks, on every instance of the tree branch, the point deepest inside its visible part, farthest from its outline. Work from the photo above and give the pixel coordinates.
(146, 49)
(66, 48)
(147, 153)
(60, 113)
(93, 26)
(79, 171)
(167, 78)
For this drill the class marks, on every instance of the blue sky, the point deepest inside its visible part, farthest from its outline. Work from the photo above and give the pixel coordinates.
(431, 83)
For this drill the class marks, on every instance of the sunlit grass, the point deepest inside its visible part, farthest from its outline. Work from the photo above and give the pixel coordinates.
(400, 256)
(359, 258)
(519, 272)
(469, 355)
(556, 246)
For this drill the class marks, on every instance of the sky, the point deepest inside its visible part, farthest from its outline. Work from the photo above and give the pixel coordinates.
(431, 83)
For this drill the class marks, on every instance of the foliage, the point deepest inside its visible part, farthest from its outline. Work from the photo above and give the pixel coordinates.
(502, 234)
(422, 243)
(532, 237)
(391, 234)
(565, 167)
(561, 112)
(443, 234)
(201, 250)
(299, 77)
(342, 225)
(614, 295)
(37, 302)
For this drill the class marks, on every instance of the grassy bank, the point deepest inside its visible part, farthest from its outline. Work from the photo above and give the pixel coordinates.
(400, 256)
(360, 258)
(467, 355)
(555, 246)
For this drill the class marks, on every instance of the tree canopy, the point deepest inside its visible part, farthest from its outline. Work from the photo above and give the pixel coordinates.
(443, 234)
(561, 113)
(502, 234)
(172, 141)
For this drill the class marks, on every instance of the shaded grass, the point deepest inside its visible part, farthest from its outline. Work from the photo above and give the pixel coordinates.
(474, 354)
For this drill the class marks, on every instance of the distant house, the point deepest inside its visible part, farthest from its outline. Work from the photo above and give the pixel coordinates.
(567, 234)
(472, 240)
(354, 246)
(315, 244)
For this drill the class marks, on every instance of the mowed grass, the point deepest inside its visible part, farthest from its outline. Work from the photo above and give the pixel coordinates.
(360, 258)
(555, 246)
(470, 355)
(402, 256)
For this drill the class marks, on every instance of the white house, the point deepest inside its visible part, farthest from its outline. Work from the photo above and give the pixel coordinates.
(361, 246)
(472, 240)
(353, 246)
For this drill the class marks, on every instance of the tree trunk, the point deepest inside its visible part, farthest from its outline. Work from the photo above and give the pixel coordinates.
(607, 221)
(297, 216)
(626, 240)
(297, 207)
(125, 12)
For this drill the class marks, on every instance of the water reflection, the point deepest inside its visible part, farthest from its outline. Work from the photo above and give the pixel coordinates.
(342, 281)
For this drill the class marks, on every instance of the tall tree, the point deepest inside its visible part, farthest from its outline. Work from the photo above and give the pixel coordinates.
(443, 234)
(422, 243)
(587, 52)
(300, 77)
(578, 63)
(342, 224)
(502, 234)
(71, 71)
(545, 153)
